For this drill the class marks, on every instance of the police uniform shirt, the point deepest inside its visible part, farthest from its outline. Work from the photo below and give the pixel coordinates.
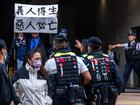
(126, 47)
(50, 66)
(111, 55)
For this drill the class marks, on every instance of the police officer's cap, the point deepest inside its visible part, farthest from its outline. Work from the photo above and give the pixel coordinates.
(60, 38)
(2, 44)
(132, 34)
(95, 41)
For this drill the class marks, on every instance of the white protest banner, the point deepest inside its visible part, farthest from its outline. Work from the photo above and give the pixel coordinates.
(24, 10)
(36, 18)
(30, 25)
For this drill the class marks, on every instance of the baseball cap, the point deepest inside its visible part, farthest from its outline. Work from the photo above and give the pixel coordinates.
(60, 38)
(132, 34)
(95, 41)
(85, 42)
(63, 32)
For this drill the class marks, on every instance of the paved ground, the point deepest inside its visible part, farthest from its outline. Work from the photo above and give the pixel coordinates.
(130, 98)
(127, 99)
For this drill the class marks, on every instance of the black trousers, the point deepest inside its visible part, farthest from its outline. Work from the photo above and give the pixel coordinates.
(60, 100)
(128, 69)
(104, 94)
(70, 96)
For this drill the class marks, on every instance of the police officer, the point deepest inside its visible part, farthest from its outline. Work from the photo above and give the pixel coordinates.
(65, 69)
(132, 55)
(107, 81)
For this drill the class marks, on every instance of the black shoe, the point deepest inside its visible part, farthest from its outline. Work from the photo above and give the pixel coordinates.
(123, 91)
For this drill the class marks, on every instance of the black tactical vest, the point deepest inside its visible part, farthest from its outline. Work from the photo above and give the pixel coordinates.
(129, 52)
(101, 69)
(67, 70)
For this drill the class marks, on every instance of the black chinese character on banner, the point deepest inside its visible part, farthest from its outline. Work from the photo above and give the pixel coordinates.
(30, 24)
(51, 25)
(41, 11)
(19, 25)
(41, 25)
(53, 10)
(20, 10)
(31, 11)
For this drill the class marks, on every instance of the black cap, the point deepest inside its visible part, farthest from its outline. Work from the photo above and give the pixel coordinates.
(63, 32)
(132, 34)
(95, 41)
(2, 44)
(60, 38)
(85, 42)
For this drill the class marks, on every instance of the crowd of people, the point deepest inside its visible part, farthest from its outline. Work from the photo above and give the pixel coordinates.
(60, 76)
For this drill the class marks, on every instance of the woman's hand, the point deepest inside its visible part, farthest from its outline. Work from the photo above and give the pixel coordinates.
(78, 45)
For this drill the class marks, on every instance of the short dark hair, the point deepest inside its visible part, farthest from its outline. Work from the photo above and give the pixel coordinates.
(2, 44)
(94, 43)
(60, 40)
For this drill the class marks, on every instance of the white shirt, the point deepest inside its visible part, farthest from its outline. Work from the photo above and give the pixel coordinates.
(137, 46)
(126, 46)
(111, 55)
(50, 66)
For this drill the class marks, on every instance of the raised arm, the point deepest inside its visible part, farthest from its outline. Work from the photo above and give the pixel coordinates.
(79, 45)
(117, 46)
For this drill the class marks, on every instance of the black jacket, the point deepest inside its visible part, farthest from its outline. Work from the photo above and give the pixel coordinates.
(7, 91)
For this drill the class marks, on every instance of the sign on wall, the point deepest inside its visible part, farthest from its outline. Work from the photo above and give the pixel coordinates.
(36, 18)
